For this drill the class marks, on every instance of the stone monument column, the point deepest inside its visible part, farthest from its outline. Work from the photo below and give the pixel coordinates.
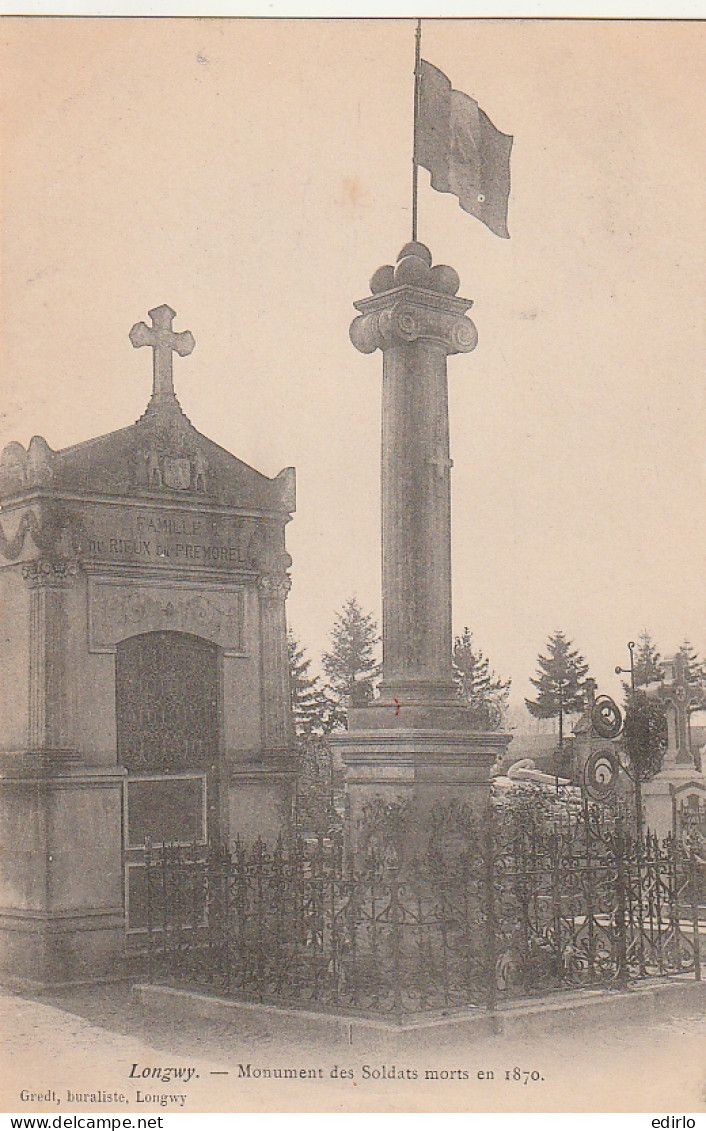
(417, 740)
(415, 320)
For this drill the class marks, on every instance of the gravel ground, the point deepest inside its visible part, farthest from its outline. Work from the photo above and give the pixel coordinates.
(88, 1039)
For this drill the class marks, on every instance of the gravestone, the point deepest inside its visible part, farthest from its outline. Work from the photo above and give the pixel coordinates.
(681, 780)
(143, 579)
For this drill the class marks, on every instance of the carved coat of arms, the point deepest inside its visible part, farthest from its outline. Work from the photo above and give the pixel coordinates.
(177, 473)
(172, 460)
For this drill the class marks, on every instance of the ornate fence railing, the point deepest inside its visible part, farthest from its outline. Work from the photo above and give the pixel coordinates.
(526, 902)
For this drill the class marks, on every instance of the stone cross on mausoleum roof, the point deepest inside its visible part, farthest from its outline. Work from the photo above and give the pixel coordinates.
(163, 341)
(162, 456)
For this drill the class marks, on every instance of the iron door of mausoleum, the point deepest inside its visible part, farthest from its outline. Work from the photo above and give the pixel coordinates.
(167, 713)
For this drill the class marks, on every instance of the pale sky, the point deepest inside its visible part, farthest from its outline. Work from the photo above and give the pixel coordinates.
(254, 174)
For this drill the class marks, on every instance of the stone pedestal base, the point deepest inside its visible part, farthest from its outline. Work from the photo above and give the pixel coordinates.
(418, 766)
(61, 885)
(260, 797)
(666, 791)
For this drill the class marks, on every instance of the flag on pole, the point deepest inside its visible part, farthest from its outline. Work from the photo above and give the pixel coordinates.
(464, 152)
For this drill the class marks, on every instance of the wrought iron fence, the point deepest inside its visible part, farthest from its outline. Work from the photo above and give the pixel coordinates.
(525, 902)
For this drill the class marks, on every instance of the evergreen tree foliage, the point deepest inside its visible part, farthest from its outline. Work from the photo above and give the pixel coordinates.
(315, 715)
(694, 674)
(313, 711)
(648, 662)
(351, 665)
(479, 687)
(644, 737)
(645, 734)
(560, 680)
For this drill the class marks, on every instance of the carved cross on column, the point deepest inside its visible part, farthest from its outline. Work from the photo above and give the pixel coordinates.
(164, 341)
(442, 465)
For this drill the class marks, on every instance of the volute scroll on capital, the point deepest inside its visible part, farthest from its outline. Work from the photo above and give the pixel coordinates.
(414, 301)
(409, 321)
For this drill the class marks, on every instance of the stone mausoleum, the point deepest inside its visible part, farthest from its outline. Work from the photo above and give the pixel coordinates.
(145, 693)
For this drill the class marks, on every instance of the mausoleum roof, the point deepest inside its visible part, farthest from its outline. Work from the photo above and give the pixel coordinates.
(159, 457)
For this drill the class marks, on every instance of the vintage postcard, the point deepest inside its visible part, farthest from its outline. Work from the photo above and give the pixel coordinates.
(352, 557)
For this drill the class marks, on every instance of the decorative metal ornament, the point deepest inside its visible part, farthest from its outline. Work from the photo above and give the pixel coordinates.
(606, 717)
(600, 774)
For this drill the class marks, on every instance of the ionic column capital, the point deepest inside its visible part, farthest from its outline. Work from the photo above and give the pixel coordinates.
(414, 302)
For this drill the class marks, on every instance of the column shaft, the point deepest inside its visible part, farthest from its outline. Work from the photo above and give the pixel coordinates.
(416, 320)
(416, 521)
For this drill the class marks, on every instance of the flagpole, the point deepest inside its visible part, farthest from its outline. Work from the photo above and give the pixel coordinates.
(417, 89)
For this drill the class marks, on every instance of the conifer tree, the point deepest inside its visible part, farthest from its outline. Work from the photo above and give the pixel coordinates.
(351, 665)
(312, 708)
(694, 674)
(644, 737)
(648, 662)
(315, 715)
(560, 680)
(480, 688)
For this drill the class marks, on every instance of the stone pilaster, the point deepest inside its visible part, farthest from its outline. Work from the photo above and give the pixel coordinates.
(261, 787)
(276, 709)
(50, 708)
(414, 318)
(61, 898)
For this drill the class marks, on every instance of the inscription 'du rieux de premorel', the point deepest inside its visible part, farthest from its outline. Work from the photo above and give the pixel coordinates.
(175, 539)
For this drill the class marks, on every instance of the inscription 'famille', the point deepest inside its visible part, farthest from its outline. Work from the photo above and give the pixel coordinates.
(171, 527)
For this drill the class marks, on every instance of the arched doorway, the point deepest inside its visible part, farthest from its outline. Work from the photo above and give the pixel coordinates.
(167, 687)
